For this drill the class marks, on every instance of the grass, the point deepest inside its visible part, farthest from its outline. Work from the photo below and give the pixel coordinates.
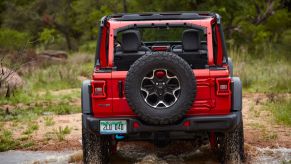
(62, 132)
(6, 141)
(33, 113)
(46, 79)
(61, 76)
(49, 121)
(257, 126)
(59, 134)
(286, 162)
(31, 128)
(268, 135)
(267, 71)
(281, 110)
(39, 96)
(28, 97)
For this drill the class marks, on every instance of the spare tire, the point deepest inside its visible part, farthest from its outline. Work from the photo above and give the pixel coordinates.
(160, 88)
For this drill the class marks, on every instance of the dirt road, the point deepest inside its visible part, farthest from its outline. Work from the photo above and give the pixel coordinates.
(265, 142)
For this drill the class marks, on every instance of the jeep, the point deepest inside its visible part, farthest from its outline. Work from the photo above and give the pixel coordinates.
(162, 77)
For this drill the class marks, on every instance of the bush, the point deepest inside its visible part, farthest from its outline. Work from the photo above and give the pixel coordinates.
(51, 39)
(89, 47)
(13, 40)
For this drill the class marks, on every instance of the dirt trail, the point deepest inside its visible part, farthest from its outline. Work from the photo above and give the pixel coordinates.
(259, 125)
(266, 141)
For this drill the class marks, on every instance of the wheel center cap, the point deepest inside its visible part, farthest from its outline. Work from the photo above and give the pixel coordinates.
(160, 74)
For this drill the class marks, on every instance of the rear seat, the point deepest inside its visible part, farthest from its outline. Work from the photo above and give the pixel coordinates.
(191, 49)
(130, 50)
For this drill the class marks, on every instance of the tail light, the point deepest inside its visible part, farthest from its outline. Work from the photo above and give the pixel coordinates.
(99, 89)
(223, 86)
(136, 125)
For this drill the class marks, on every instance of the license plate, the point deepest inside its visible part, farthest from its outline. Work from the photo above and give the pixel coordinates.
(113, 127)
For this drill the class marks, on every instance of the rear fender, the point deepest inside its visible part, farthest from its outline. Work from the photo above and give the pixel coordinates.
(236, 94)
(85, 97)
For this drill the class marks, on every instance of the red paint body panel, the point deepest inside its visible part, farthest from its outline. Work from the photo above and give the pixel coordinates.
(205, 102)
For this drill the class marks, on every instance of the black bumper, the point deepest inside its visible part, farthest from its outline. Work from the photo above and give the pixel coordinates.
(218, 123)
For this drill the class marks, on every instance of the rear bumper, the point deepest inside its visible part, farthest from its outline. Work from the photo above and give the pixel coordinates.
(219, 123)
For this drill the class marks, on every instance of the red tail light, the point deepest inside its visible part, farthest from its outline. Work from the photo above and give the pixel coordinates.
(222, 86)
(135, 125)
(99, 89)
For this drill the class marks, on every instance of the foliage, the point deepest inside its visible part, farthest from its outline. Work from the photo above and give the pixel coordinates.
(49, 38)
(73, 23)
(12, 39)
(88, 47)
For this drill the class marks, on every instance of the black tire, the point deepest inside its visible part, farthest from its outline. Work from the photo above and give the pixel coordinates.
(96, 148)
(232, 145)
(160, 60)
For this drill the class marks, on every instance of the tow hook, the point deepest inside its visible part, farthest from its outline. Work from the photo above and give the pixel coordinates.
(119, 136)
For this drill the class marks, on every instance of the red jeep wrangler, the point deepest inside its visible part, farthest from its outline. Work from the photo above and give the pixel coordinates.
(162, 77)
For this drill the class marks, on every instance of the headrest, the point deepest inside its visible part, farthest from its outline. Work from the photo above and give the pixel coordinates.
(191, 40)
(130, 41)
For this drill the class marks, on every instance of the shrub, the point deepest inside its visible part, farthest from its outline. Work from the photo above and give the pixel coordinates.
(88, 47)
(13, 40)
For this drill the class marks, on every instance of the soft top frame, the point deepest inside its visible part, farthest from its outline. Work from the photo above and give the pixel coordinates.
(161, 16)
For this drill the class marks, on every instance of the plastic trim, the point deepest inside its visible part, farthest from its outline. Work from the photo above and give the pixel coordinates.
(85, 97)
(218, 123)
(236, 94)
(230, 66)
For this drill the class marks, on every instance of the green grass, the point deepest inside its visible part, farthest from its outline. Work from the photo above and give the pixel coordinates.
(49, 121)
(62, 132)
(61, 76)
(31, 128)
(28, 97)
(268, 72)
(36, 111)
(6, 141)
(281, 110)
(48, 78)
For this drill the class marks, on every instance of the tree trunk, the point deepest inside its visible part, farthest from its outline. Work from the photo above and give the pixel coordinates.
(68, 40)
(124, 6)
